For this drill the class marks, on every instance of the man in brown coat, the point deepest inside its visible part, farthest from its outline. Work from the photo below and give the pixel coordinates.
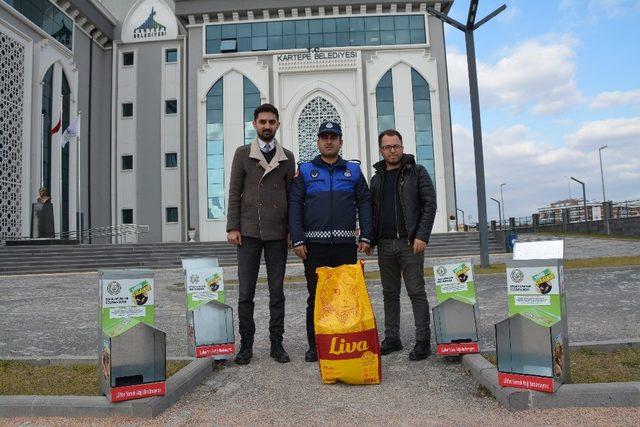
(261, 174)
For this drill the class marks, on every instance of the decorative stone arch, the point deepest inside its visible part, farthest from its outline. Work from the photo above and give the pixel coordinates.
(344, 107)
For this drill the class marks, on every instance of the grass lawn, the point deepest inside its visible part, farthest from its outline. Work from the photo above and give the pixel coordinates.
(592, 366)
(20, 378)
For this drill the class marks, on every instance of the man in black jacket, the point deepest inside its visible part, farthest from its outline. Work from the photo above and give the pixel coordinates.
(404, 207)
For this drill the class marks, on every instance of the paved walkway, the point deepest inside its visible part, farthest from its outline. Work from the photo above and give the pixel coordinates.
(56, 315)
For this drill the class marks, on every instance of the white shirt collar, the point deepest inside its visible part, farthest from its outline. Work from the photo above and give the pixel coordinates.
(266, 146)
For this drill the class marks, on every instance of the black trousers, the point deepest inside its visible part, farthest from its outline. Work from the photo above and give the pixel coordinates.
(323, 255)
(275, 256)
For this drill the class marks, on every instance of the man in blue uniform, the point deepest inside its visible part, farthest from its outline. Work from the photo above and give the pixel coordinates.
(326, 194)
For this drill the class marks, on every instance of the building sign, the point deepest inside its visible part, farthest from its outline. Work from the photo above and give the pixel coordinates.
(316, 54)
(149, 20)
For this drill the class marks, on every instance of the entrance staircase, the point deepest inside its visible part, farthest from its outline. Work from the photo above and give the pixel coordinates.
(84, 257)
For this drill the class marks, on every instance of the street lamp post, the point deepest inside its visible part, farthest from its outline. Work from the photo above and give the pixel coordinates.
(502, 203)
(468, 30)
(584, 201)
(499, 212)
(604, 197)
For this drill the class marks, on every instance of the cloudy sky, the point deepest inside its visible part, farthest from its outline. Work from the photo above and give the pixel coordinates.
(558, 80)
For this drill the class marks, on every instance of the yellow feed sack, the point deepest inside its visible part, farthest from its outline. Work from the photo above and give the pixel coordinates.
(346, 333)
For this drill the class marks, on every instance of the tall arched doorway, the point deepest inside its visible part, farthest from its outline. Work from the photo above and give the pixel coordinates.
(318, 110)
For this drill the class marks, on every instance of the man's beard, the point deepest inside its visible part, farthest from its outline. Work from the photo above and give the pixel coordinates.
(265, 135)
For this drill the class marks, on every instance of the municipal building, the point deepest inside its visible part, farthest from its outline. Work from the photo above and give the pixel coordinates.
(162, 93)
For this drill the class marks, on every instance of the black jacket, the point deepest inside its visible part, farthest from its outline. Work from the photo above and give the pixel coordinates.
(417, 198)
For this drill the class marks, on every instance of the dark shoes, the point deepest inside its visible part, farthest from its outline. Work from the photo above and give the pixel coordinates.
(389, 345)
(311, 355)
(244, 355)
(420, 351)
(278, 353)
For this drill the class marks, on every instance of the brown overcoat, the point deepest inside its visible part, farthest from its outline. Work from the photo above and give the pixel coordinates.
(259, 191)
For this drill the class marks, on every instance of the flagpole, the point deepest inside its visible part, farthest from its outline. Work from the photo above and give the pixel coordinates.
(61, 130)
(78, 191)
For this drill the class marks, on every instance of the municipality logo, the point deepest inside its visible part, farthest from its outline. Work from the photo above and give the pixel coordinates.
(150, 28)
(194, 279)
(441, 270)
(113, 288)
(517, 275)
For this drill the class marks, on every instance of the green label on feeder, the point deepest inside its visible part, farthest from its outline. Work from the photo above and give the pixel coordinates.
(455, 281)
(536, 293)
(125, 303)
(203, 285)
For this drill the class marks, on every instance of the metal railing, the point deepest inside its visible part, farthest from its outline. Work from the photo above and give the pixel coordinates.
(115, 234)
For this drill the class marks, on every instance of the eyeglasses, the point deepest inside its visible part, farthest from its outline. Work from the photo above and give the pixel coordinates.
(394, 147)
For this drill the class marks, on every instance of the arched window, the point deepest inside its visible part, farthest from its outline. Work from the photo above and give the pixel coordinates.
(251, 98)
(318, 110)
(66, 112)
(215, 153)
(384, 103)
(47, 109)
(422, 121)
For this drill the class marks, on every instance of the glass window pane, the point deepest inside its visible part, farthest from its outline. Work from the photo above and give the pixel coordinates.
(252, 100)
(403, 37)
(424, 138)
(386, 23)
(386, 122)
(357, 38)
(302, 27)
(288, 42)
(214, 116)
(420, 93)
(384, 108)
(213, 46)
(330, 40)
(342, 39)
(372, 38)
(171, 160)
(259, 29)
(422, 122)
(214, 32)
(386, 80)
(384, 94)
(171, 56)
(315, 26)
(275, 42)
(387, 37)
(259, 43)
(171, 106)
(328, 25)
(315, 40)
(274, 28)
(245, 44)
(302, 41)
(421, 107)
(342, 25)
(401, 22)
(418, 36)
(372, 23)
(416, 22)
(288, 27)
(356, 24)
(228, 46)
(243, 30)
(228, 31)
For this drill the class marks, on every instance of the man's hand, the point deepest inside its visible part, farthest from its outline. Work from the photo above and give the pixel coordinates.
(419, 246)
(363, 247)
(234, 237)
(301, 251)
(369, 251)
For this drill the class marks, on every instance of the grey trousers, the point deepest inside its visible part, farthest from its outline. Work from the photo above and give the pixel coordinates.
(396, 259)
(275, 257)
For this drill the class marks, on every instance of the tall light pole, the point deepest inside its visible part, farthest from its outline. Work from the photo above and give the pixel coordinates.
(499, 212)
(604, 197)
(502, 200)
(468, 30)
(584, 201)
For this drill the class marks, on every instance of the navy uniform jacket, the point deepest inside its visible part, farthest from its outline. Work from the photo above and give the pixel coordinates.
(324, 200)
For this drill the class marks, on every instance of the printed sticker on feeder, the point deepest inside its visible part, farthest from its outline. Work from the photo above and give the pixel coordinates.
(455, 281)
(204, 285)
(125, 303)
(535, 292)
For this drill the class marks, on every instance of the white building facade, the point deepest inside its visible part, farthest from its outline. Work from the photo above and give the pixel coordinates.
(184, 77)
